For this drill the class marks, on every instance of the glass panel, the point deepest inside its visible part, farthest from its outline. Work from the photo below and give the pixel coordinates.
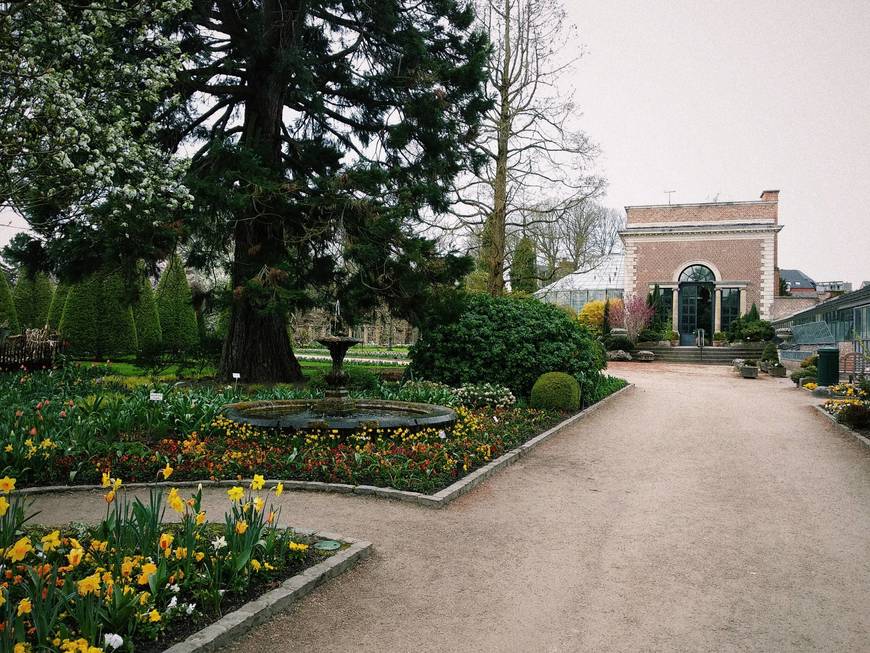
(730, 306)
(697, 274)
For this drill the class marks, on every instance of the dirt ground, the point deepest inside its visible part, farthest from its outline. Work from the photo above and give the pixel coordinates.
(698, 512)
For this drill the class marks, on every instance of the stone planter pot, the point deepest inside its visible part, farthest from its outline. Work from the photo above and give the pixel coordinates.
(777, 371)
(749, 372)
(675, 343)
(764, 366)
(719, 343)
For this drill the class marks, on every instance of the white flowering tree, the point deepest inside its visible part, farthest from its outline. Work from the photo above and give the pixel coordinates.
(78, 152)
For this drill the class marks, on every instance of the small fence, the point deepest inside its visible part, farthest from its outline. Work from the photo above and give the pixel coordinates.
(33, 350)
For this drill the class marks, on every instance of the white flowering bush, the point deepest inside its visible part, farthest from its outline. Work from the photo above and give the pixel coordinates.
(481, 395)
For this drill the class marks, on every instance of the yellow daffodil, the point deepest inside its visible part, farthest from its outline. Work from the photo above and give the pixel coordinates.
(167, 471)
(4, 506)
(18, 551)
(199, 556)
(24, 607)
(51, 541)
(258, 482)
(200, 518)
(241, 527)
(298, 546)
(89, 585)
(166, 543)
(255, 565)
(180, 552)
(116, 484)
(236, 493)
(154, 616)
(148, 570)
(7, 484)
(279, 489)
(2, 597)
(75, 556)
(110, 496)
(259, 503)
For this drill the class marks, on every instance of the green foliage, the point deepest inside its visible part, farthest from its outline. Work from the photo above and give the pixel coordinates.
(720, 336)
(770, 353)
(750, 328)
(555, 391)
(613, 343)
(752, 315)
(175, 308)
(605, 318)
(8, 315)
(506, 341)
(80, 318)
(32, 298)
(803, 372)
(148, 332)
(523, 271)
(600, 387)
(58, 299)
(117, 329)
(855, 416)
(810, 361)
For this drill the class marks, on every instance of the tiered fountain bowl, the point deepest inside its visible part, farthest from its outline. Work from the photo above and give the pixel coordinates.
(337, 410)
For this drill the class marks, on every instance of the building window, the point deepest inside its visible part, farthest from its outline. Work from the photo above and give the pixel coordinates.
(730, 306)
(697, 274)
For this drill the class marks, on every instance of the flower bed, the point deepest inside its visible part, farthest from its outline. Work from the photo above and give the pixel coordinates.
(131, 583)
(71, 427)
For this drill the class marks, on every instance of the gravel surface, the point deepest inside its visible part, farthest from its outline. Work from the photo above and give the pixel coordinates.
(698, 512)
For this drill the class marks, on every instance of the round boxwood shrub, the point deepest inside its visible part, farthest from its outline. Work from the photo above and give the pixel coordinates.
(503, 340)
(175, 308)
(555, 391)
(8, 315)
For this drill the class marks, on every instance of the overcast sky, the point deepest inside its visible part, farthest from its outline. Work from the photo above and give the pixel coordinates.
(731, 98)
(728, 99)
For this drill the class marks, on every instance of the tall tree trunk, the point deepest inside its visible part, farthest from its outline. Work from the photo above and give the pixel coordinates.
(495, 230)
(257, 345)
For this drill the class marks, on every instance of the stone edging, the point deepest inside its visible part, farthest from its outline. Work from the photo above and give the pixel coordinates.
(251, 614)
(860, 438)
(437, 500)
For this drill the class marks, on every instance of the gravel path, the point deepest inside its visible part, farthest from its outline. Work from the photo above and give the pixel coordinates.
(699, 512)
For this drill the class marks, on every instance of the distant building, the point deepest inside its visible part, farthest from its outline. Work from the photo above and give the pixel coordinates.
(834, 286)
(603, 281)
(797, 283)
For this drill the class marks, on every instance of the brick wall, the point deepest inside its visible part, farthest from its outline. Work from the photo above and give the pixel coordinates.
(698, 213)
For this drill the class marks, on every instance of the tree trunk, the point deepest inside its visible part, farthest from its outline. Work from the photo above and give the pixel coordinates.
(257, 345)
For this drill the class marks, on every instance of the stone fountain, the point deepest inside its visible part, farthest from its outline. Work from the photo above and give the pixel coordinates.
(337, 410)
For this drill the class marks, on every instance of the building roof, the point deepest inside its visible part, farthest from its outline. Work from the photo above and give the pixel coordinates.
(606, 275)
(847, 300)
(796, 279)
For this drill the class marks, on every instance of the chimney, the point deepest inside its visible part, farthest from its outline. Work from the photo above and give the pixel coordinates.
(770, 196)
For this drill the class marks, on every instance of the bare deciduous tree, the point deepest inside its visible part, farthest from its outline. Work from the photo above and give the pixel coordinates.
(534, 155)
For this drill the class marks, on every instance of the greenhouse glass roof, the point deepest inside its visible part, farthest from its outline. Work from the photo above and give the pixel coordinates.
(607, 275)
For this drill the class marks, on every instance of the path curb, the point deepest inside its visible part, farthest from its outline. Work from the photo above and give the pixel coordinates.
(229, 627)
(437, 500)
(860, 438)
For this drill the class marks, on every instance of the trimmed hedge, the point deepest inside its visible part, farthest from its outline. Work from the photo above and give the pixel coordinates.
(117, 330)
(8, 314)
(175, 308)
(504, 340)
(78, 324)
(555, 391)
(32, 298)
(55, 310)
(147, 318)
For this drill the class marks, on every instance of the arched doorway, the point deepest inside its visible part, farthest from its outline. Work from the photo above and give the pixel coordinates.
(696, 302)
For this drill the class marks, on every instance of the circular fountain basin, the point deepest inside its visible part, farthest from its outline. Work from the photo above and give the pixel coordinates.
(310, 414)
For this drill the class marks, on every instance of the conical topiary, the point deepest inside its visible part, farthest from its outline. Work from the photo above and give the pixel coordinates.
(78, 324)
(147, 319)
(55, 310)
(8, 315)
(117, 332)
(175, 307)
(32, 298)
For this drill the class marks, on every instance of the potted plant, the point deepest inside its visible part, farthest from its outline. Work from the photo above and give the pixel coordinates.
(777, 370)
(719, 339)
(749, 370)
(674, 337)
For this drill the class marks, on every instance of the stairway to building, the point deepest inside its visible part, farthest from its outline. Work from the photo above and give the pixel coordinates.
(707, 356)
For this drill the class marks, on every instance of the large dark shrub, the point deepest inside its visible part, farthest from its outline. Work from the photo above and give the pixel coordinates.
(770, 354)
(8, 315)
(175, 307)
(55, 310)
(117, 330)
(614, 343)
(555, 391)
(504, 340)
(148, 331)
(32, 298)
(750, 328)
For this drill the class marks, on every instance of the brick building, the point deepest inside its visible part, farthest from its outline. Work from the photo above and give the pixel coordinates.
(712, 261)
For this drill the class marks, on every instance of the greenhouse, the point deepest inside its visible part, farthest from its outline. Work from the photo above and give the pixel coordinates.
(604, 281)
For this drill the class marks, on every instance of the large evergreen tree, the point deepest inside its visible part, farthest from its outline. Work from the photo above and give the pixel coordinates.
(8, 316)
(327, 129)
(81, 317)
(523, 268)
(58, 299)
(175, 308)
(32, 298)
(145, 314)
(117, 330)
